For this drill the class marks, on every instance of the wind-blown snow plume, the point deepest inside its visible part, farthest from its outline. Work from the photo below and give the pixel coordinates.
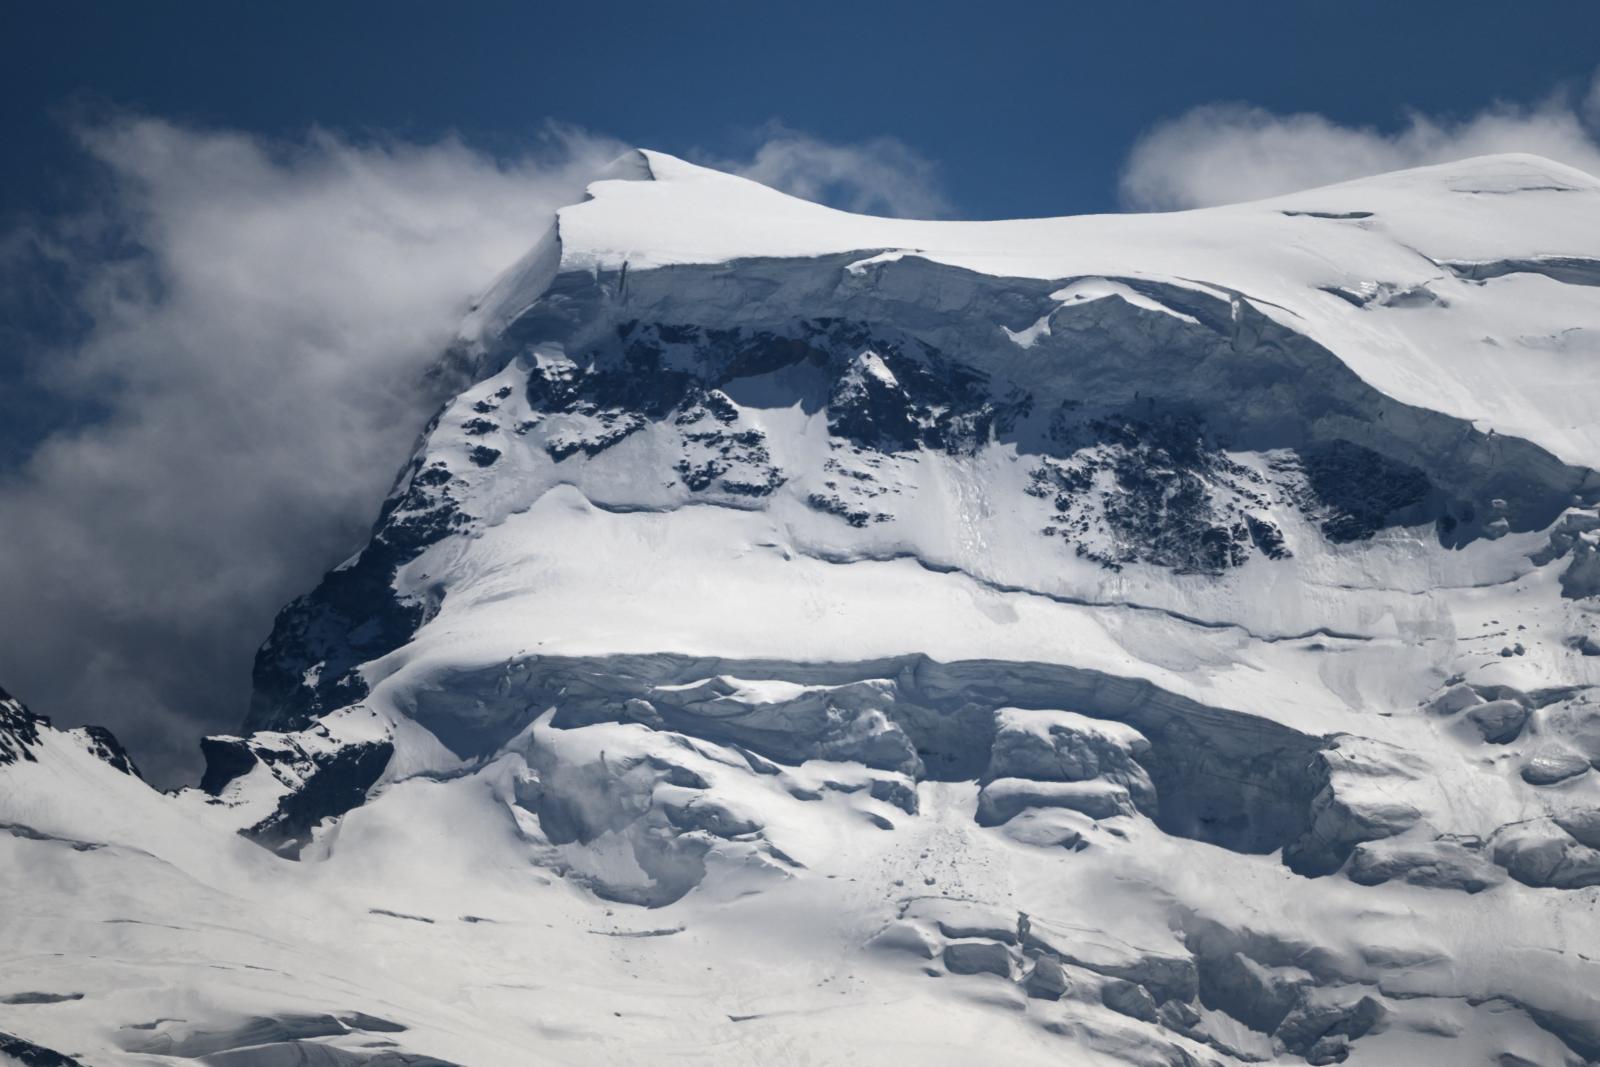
(881, 176)
(1229, 153)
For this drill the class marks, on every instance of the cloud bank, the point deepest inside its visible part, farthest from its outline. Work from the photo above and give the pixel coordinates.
(249, 327)
(1226, 153)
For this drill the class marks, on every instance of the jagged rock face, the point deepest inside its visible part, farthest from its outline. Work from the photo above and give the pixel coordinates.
(320, 781)
(19, 729)
(30, 1055)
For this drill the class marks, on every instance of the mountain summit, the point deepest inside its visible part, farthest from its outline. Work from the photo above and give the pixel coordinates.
(1146, 639)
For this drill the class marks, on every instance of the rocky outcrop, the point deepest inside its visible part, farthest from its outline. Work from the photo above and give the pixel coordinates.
(22, 731)
(314, 777)
(28, 1054)
(19, 730)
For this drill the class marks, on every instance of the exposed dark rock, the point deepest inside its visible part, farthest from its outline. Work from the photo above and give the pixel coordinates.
(323, 783)
(1175, 499)
(1331, 214)
(103, 744)
(19, 730)
(833, 504)
(400, 915)
(337, 784)
(28, 1054)
(1361, 490)
(39, 998)
(227, 758)
(360, 1020)
(899, 794)
(306, 668)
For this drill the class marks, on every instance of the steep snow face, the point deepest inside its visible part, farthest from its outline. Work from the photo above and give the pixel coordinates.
(1152, 640)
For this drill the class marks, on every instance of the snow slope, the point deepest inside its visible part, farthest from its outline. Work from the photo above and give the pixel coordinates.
(804, 637)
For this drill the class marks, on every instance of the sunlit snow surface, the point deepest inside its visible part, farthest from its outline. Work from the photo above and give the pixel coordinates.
(815, 689)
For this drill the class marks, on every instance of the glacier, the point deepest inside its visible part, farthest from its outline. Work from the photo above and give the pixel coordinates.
(1150, 639)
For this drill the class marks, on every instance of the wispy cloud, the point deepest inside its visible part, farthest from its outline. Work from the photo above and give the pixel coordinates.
(256, 318)
(880, 176)
(235, 339)
(1224, 153)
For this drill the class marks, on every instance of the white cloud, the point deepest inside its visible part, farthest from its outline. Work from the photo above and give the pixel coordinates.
(881, 176)
(252, 322)
(255, 351)
(1225, 153)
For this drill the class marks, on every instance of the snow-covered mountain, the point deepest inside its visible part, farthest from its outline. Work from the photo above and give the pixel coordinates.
(803, 637)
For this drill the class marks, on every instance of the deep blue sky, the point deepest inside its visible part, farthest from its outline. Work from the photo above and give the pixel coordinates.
(1028, 109)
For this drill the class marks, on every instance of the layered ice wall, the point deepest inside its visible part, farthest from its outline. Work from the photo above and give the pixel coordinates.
(1142, 639)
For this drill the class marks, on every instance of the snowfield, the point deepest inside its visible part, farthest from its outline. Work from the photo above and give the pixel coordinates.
(811, 638)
